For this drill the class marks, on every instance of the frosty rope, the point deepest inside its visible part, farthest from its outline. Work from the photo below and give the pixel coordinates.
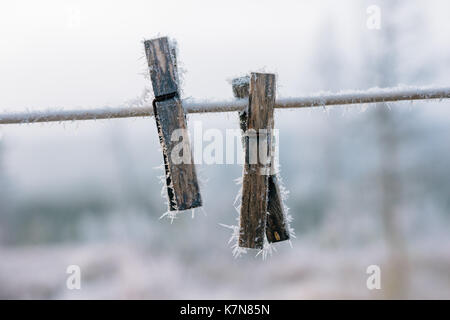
(326, 99)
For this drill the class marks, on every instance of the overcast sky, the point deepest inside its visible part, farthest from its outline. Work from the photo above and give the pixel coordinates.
(81, 53)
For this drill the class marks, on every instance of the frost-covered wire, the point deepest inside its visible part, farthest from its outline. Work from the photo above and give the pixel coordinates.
(373, 95)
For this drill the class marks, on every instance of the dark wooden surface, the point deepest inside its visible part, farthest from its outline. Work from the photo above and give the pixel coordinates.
(276, 228)
(162, 66)
(253, 217)
(181, 179)
(276, 225)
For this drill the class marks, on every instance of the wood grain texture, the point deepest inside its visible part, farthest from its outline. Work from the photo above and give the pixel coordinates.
(276, 228)
(241, 87)
(162, 65)
(276, 225)
(253, 217)
(181, 179)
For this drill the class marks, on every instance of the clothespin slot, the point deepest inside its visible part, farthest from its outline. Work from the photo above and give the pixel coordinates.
(181, 179)
(262, 208)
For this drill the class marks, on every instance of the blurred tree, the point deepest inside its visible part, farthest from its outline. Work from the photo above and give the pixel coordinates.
(4, 198)
(385, 63)
(133, 192)
(315, 203)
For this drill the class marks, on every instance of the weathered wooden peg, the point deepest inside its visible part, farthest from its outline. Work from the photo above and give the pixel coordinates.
(181, 179)
(261, 208)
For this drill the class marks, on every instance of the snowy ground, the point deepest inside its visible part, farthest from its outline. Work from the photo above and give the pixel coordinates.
(128, 271)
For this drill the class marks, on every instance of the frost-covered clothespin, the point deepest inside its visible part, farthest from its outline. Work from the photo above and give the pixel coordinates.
(262, 207)
(181, 179)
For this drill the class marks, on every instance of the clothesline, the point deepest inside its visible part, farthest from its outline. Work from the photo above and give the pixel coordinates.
(375, 95)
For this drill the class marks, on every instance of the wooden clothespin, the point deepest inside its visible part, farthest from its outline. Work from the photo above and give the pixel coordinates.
(261, 209)
(181, 179)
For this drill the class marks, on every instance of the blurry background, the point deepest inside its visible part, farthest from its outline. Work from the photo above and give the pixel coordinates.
(368, 184)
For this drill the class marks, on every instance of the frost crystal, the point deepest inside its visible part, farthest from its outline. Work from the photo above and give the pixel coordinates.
(268, 248)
